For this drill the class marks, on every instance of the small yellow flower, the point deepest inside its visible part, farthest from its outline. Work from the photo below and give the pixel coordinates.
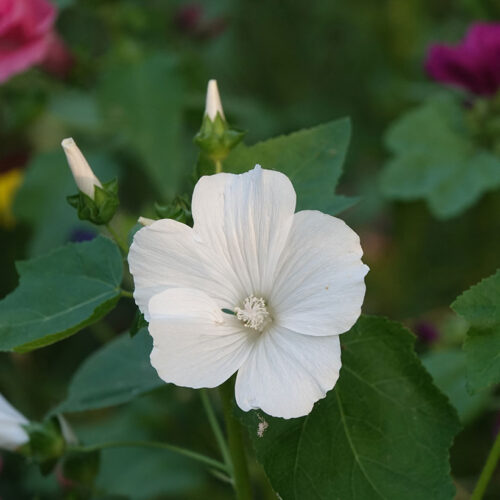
(9, 184)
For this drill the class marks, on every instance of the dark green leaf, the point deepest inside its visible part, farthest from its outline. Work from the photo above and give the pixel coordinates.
(311, 158)
(60, 293)
(480, 306)
(115, 374)
(436, 159)
(138, 323)
(143, 101)
(142, 473)
(383, 432)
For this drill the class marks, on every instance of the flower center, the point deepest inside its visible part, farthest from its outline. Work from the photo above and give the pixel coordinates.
(254, 313)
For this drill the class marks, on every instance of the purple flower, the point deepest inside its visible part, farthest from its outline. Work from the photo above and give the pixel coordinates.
(426, 332)
(473, 64)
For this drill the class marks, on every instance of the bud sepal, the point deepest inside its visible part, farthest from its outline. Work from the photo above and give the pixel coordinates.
(102, 208)
(46, 443)
(216, 139)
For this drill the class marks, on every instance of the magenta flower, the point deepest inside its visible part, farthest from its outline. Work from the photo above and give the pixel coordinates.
(27, 37)
(473, 64)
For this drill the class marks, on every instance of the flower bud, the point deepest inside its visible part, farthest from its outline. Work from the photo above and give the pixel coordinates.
(145, 221)
(12, 432)
(215, 138)
(95, 202)
(84, 176)
(46, 444)
(213, 104)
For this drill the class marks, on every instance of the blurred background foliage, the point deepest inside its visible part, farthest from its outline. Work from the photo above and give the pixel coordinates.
(134, 99)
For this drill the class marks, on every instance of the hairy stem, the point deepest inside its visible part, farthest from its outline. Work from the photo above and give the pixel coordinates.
(123, 246)
(488, 469)
(236, 445)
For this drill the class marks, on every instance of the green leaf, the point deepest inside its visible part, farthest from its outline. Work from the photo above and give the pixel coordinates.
(60, 293)
(145, 474)
(436, 159)
(139, 473)
(448, 369)
(41, 200)
(115, 374)
(480, 306)
(143, 101)
(311, 158)
(383, 432)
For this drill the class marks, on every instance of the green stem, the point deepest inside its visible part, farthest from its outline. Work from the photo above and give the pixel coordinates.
(236, 445)
(488, 469)
(118, 240)
(126, 293)
(218, 166)
(152, 444)
(214, 424)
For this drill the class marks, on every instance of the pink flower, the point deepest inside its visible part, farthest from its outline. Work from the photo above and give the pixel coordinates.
(27, 37)
(473, 64)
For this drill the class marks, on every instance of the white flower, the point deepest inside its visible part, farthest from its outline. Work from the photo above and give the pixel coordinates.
(84, 176)
(12, 434)
(213, 104)
(252, 288)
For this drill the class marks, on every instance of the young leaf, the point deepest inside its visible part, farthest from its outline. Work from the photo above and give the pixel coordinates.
(311, 158)
(383, 432)
(117, 373)
(480, 306)
(448, 369)
(436, 159)
(60, 293)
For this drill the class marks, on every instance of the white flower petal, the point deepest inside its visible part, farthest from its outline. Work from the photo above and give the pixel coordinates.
(195, 343)
(166, 254)
(319, 288)
(246, 219)
(286, 373)
(12, 435)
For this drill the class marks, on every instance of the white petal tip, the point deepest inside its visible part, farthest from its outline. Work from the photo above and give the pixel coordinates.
(213, 103)
(144, 221)
(68, 142)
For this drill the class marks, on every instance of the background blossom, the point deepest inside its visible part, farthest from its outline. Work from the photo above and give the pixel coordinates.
(473, 64)
(27, 38)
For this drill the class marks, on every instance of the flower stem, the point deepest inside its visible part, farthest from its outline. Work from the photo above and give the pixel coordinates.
(118, 240)
(218, 166)
(214, 424)
(488, 469)
(152, 444)
(236, 445)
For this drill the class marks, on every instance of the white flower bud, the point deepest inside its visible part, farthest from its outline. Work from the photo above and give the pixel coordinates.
(145, 221)
(213, 103)
(84, 177)
(12, 434)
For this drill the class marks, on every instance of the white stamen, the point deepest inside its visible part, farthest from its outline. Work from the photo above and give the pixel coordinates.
(254, 313)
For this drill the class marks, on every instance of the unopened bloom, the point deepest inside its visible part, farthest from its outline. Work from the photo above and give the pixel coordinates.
(213, 104)
(84, 176)
(473, 64)
(252, 288)
(27, 38)
(12, 432)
